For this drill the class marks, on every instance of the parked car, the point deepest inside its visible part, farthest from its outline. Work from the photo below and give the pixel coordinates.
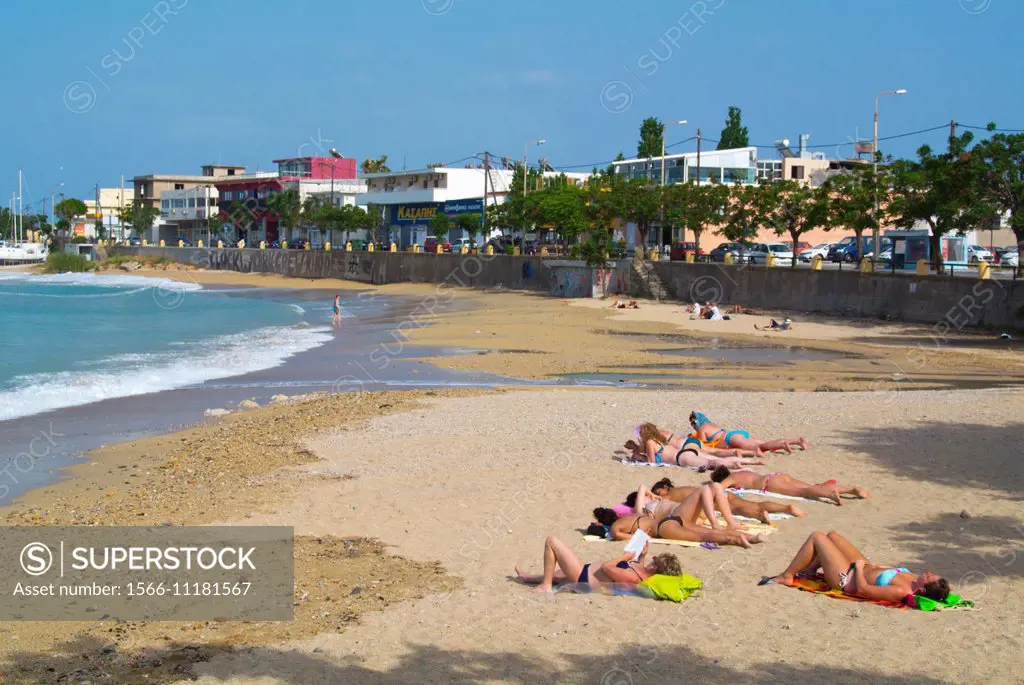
(456, 247)
(977, 253)
(737, 250)
(430, 245)
(1009, 258)
(297, 244)
(759, 253)
(800, 246)
(821, 249)
(678, 251)
(185, 242)
(134, 241)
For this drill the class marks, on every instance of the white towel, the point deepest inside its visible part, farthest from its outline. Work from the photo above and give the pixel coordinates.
(740, 492)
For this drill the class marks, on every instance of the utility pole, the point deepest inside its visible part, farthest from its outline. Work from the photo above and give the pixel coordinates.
(120, 210)
(20, 227)
(483, 212)
(952, 134)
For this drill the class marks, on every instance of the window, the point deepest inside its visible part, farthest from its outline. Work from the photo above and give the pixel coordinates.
(192, 202)
(165, 204)
(227, 195)
(178, 203)
(231, 172)
(179, 186)
(796, 172)
(200, 202)
(425, 184)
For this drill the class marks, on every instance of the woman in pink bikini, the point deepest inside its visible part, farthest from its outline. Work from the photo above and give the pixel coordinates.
(783, 484)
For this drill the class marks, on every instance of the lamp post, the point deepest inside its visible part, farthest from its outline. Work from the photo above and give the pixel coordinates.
(661, 221)
(526, 169)
(876, 240)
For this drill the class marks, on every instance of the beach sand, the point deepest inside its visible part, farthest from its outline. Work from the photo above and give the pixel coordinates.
(458, 486)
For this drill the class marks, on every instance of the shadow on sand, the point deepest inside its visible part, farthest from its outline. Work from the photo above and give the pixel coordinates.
(66, 664)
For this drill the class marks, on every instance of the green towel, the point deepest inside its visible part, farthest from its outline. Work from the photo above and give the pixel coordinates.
(951, 602)
(675, 588)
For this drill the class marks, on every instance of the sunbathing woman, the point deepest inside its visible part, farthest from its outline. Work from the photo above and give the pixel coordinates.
(846, 569)
(783, 484)
(715, 435)
(689, 452)
(681, 521)
(753, 510)
(561, 565)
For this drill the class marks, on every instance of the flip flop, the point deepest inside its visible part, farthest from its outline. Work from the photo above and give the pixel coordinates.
(765, 580)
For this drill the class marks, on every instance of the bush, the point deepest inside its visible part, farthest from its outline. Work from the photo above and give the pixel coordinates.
(510, 250)
(61, 262)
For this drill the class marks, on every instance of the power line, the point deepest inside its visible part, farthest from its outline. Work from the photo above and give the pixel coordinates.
(997, 130)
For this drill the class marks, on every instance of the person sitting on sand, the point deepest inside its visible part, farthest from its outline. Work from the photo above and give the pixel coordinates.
(618, 304)
(846, 569)
(695, 311)
(744, 507)
(680, 521)
(714, 435)
(562, 565)
(786, 325)
(783, 484)
(689, 452)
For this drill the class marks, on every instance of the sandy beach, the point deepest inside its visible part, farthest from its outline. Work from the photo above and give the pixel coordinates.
(425, 500)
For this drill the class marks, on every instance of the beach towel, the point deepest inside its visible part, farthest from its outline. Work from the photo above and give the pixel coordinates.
(753, 528)
(629, 462)
(740, 492)
(670, 588)
(818, 586)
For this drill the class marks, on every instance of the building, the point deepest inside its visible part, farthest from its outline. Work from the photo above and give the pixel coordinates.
(738, 165)
(243, 198)
(147, 189)
(185, 214)
(407, 201)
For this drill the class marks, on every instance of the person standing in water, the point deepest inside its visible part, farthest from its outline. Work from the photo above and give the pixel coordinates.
(336, 319)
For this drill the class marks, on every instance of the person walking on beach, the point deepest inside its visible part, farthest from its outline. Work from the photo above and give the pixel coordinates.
(336, 319)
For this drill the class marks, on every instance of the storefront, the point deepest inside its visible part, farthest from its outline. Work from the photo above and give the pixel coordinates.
(410, 223)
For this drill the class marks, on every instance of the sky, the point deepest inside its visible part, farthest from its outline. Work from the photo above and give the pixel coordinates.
(94, 91)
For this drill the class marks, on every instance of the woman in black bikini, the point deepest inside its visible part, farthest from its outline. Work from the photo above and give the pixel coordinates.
(688, 452)
(561, 565)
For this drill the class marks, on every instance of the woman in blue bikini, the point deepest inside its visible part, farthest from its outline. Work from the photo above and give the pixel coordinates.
(655, 446)
(561, 565)
(845, 568)
(716, 436)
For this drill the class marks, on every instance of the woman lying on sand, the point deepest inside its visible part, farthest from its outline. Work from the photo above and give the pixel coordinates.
(786, 325)
(561, 565)
(715, 435)
(652, 442)
(680, 521)
(846, 569)
(752, 510)
(783, 484)
(618, 304)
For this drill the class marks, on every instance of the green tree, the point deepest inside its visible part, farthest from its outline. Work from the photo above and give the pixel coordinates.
(696, 208)
(999, 169)
(355, 219)
(101, 230)
(741, 213)
(440, 225)
(852, 196)
(639, 202)
(470, 223)
(67, 209)
(375, 166)
(136, 216)
(215, 227)
(287, 207)
(795, 209)
(940, 190)
(735, 133)
(651, 131)
(563, 208)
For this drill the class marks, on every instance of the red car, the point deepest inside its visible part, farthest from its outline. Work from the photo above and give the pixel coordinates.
(430, 245)
(679, 251)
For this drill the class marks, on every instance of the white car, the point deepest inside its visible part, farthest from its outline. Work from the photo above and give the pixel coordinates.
(758, 253)
(457, 245)
(809, 254)
(1010, 259)
(976, 253)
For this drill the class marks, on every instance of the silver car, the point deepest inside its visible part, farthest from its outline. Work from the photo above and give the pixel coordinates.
(759, 253)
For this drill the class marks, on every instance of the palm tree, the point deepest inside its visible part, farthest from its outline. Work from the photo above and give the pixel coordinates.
(375, 166)
(285, 205)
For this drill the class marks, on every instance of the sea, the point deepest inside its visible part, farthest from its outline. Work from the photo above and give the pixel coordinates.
(91, 359)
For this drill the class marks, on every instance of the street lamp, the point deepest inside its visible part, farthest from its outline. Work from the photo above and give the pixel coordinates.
(526, 151)
(876, 240)
(661, 221)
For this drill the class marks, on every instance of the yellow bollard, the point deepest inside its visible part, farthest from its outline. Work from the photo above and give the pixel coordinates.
(490, 250)
(439, 249)
(517, 252)
(729, 258)
(220, 244)
(145, 243)
(416, 248)
(543, 252)
(348, 246)
(770, 259)
(984, 270)
(393, 248)
(162, 244)
(181, 243)
(263, 244)
(284, 244)
(199, 244)
(241, 244)
(306, 246)
(369, 247)
(866, 267)
(653, 254)
(690, 257)
(922, 267)
(464, 249)
(327, 246)
(816, 262)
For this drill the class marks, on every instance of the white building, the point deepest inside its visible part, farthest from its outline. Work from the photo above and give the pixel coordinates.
(184, 214)
(410, 199)
(738, 165)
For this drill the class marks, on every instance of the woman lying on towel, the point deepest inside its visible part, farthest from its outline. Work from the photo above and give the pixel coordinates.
(752, 510)
(561, 565)
(846, 569)
(681, 521)
(716, 436)
(783, 484)
(656, 446)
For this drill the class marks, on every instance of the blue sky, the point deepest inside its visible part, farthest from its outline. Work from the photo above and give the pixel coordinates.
(97, 90)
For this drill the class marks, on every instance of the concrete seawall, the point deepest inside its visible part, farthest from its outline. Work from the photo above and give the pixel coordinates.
(950, 303)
